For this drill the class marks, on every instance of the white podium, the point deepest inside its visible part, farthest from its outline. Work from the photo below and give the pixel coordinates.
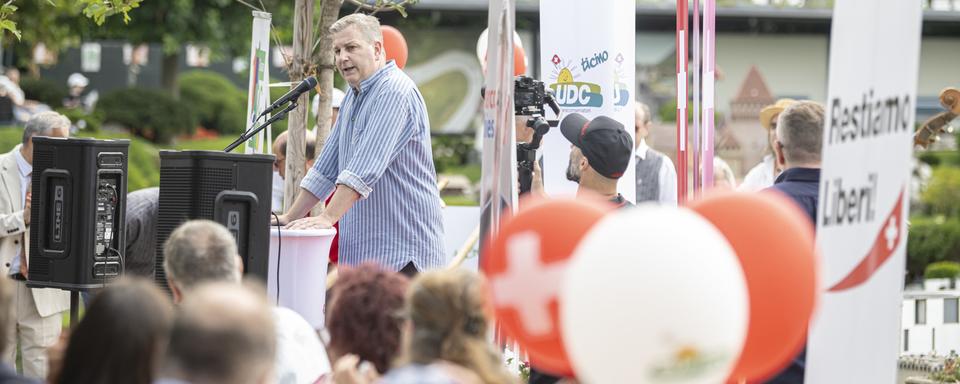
(303, 255)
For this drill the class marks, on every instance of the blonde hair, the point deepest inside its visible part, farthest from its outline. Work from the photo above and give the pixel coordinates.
(368, 26)
(449, 323)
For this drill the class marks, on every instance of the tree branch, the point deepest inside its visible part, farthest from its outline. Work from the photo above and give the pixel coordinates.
(253, 7)
(373, 9)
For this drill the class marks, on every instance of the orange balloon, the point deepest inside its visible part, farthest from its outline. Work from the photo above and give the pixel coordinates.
(524, 265)
(395, 45)
(774, 241)
(519, 61)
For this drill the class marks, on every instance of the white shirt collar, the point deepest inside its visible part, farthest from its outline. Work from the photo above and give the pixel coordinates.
(22, 164)
(641, 150)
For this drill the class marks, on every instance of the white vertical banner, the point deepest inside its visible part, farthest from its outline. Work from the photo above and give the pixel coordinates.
(498, 186)
(587, 58)
(864, 202)
(258, 90)
(90, 57)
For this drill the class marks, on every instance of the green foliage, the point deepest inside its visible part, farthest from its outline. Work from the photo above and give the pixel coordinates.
(942, 195)
(930, 158)
(148, 113)
(172, 23)
(451, 151)
(940, 158)
(460, 200)
(10, 136)
(6, 10)
(932, 240)
(374, 6)
(220, 105)
(53, 23)
(45, 91)
(949, 373)
(89, 122)
(668, 111)
(942, 270)
(99, 10)
(443, 94)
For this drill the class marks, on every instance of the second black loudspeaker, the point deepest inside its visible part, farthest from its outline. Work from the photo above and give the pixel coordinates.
(231, 189)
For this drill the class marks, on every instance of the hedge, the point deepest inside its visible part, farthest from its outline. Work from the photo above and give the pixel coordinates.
(932, 240)
(148, 113)
(942, 270)
(219, 104)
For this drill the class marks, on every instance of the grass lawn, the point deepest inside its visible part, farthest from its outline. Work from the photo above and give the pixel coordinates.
(460, 200)
(471, 171)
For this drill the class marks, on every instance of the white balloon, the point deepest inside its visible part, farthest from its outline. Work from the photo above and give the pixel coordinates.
(654, 295)
(482, 45)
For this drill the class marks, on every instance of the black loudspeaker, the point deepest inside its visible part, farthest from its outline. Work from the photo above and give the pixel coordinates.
(77, 216)
(229, 188)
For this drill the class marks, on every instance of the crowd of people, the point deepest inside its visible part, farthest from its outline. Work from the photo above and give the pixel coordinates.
(395, 315)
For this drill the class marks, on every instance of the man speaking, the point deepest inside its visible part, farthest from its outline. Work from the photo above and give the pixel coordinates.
(377, 162)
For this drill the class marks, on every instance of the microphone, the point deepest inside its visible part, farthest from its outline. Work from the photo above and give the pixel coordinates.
(304, 86)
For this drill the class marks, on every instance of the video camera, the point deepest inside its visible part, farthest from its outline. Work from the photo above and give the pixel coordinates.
(529, 98)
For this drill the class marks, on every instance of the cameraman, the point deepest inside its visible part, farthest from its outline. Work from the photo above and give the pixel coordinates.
(600, 152)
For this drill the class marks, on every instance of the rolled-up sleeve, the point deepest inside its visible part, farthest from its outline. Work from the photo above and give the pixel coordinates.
(320, 178)
(378, 144)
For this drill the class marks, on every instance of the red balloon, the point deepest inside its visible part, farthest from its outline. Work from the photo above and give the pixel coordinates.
(774, 241)
(395, 45)
(524, 265)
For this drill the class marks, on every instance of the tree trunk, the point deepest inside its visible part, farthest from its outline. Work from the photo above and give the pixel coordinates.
(325, 62)
(300, 65)
(168, 75)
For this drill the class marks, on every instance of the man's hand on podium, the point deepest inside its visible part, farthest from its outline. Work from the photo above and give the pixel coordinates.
(276, 220)
(318, 222)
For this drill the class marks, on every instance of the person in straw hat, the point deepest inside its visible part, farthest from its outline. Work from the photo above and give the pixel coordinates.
(762, 175)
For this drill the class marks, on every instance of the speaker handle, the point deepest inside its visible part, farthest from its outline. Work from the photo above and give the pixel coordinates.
(46, 215)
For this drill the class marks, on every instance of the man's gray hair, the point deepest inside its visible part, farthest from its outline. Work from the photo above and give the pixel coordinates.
(645, 109)
(368, 26)
(800, 132)
(43, 124)
(201, 251)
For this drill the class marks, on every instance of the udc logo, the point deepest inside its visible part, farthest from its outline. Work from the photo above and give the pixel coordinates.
(621, 92)
(571, 93)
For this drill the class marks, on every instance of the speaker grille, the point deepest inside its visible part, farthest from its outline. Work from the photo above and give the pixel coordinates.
(174, 208)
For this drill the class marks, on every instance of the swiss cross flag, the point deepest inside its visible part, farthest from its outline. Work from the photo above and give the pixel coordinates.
(888, 238)
(525, 264)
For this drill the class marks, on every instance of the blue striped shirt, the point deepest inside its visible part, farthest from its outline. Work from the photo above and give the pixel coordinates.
(380, 148)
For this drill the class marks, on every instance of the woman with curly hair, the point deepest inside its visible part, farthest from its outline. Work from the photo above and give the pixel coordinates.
(362, 315)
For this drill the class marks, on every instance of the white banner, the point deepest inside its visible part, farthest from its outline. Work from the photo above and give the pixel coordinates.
(864, 202)
(258, 90)
(90, 57)
(587, 58)
(498, 187)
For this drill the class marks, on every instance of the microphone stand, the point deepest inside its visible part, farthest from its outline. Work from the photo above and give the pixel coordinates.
(250, 133)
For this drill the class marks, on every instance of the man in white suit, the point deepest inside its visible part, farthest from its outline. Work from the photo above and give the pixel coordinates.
(38, 312)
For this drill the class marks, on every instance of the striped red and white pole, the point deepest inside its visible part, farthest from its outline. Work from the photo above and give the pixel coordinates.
(681, 44)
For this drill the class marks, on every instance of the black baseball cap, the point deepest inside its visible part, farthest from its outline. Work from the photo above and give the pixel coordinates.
(603, 141)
